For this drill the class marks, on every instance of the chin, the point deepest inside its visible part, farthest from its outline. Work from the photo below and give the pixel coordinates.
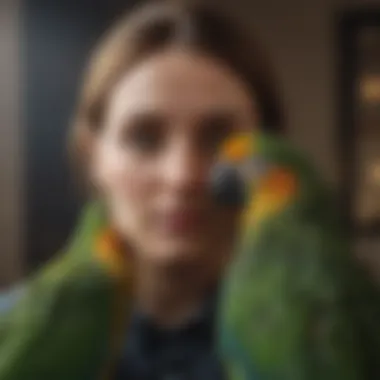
(178, 251)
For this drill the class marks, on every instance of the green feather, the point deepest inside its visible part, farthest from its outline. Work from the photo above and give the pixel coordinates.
(295, 300)
(61, 326)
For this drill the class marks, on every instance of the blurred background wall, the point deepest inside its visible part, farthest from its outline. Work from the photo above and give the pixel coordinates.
(11, 157)
(299, 35)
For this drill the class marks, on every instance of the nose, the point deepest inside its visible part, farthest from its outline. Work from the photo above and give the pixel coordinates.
(184, 170)
(226, 186)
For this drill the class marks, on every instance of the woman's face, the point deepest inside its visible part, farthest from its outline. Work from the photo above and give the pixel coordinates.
(164, 121)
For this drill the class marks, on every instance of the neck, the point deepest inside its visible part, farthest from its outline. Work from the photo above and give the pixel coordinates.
(171, 295)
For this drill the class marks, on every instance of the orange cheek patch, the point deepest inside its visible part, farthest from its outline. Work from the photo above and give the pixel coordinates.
(111, 251)
(274, 192)
(279, 182)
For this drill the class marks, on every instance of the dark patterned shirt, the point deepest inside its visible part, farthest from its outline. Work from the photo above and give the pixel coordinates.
(186, 353)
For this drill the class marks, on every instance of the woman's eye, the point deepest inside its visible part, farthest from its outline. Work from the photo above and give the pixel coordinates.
(144, 134)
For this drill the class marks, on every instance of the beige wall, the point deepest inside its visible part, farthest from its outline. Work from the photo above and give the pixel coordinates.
(299, 37)
(10, 149)
(299, 40)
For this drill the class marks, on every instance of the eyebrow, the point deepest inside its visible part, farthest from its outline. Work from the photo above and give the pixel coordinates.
(226, 115)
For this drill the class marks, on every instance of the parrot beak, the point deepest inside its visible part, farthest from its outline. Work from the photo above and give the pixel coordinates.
(228, 187)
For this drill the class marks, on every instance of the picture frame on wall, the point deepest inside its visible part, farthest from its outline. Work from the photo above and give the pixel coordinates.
(359, 119)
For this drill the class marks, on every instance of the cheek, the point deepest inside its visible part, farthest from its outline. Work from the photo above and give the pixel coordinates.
(120, 175)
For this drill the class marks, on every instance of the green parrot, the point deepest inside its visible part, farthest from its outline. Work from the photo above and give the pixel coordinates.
(295, 304)
(68, 321)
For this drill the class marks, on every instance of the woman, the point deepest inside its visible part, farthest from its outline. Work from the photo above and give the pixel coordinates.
(163, 89)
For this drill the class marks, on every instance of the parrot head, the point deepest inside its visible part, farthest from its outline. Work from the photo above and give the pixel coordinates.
(258, 172)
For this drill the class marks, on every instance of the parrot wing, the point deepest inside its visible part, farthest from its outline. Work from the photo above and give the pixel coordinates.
(60, 328)
(296, 306)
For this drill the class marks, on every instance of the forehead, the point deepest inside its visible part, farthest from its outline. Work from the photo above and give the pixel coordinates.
(180, 82)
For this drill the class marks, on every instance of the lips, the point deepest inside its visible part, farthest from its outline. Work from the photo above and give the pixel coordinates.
(183, 221)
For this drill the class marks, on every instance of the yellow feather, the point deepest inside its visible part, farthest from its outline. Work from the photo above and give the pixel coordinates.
(271, 195)
(111, 251)
(238, 147)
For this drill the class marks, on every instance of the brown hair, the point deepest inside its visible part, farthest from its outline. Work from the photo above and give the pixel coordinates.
(158, 25)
